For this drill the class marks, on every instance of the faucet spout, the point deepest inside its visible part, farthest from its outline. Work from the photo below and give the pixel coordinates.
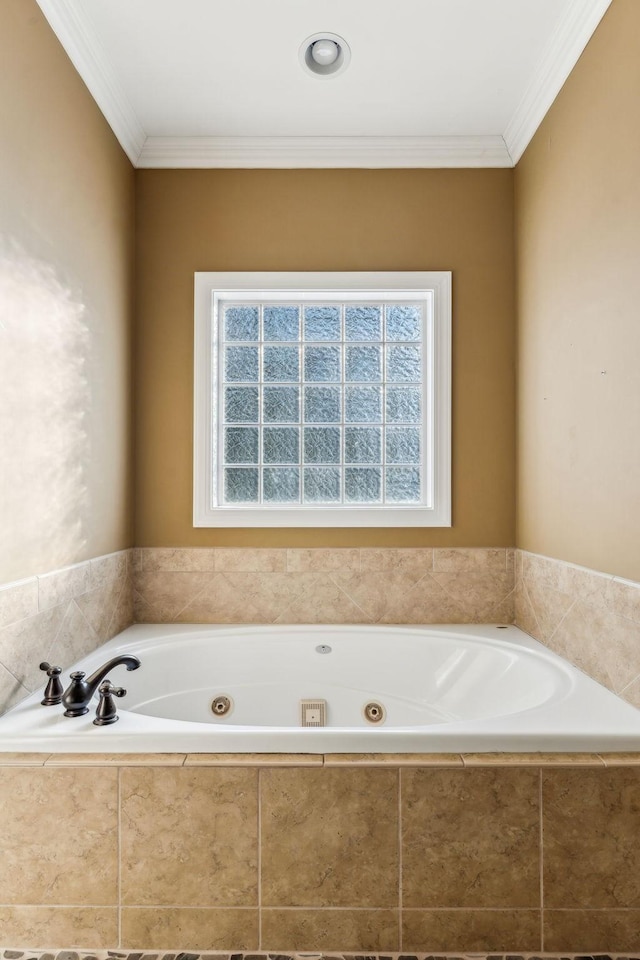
(78, 694)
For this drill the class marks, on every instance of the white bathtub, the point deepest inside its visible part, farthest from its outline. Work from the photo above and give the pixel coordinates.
(443, 689)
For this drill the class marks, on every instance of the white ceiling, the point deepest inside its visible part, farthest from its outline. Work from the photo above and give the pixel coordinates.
(219, 83)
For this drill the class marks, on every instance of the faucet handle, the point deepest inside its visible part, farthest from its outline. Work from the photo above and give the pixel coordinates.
(107, 687)
(54, 690)
(106, 711)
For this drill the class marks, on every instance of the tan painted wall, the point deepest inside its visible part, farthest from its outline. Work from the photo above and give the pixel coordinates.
(66, 262)
(459, 220)
(578, 268)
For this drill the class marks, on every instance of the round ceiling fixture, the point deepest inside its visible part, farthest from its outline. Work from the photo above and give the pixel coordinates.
(325, 54)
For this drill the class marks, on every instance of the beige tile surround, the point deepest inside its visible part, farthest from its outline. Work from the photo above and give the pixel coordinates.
(589, 618)
(337, 856)
(60, 617)
(367, 585)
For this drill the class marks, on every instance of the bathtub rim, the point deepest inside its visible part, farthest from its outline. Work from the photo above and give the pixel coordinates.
(486, 736)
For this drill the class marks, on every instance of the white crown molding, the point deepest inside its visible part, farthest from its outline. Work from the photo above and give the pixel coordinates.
(69, 23)
(288, 152)
(559, 57)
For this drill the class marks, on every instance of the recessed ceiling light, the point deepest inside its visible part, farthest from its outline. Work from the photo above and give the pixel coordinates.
(325, 54)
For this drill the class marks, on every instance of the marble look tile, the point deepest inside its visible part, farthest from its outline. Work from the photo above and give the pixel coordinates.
(579, 583)
(58, 836)
(631, 693)
(247, 597)
(143, 611)
(505, 611)
(254, 760)
(416, 560)
(165, 928)
(374, 593)
(321, 560)
(62, 585)
(220, 601)
(357, 930)
(549, 606)
(486, 560)
(123, 612)
(580, 636)
(115, 759)
(392, 759)
(592, 931)
(329, 838)
(18, 600)
(75, 638)
(68, 928)
(525, 617)
(467, 931)
(25, 644)
(591, 823)
(478, 594)
(177, 559)
(426, 602)
(546, 571)
(584, 584)
(623, 597)
(169, 592)
(112, 566)
(323, 602)
(189, 837)
(532, 759)
(98, 606)
(23, 759)
(470, 838)
(11, 690)
(518, 564)
(250, 560)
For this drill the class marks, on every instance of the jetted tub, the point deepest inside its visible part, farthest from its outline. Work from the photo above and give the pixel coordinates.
(437, 689)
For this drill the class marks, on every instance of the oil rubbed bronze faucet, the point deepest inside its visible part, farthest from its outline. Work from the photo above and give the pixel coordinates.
(79, 693)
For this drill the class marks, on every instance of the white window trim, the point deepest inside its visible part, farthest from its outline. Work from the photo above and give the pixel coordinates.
(438, 408)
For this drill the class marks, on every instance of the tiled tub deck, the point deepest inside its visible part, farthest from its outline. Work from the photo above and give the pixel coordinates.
(123, 955)
(383, 855)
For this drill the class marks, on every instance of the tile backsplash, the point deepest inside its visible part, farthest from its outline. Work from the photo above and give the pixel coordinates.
(368, 585)
(60, 617)
(589, 618)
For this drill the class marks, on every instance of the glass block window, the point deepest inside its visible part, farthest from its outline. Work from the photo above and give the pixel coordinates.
(321, 406)
(321, 402)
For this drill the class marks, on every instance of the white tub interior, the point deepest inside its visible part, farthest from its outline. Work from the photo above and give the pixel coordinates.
(420, 678)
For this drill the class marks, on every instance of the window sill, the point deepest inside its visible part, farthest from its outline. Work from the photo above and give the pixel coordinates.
(319, 516)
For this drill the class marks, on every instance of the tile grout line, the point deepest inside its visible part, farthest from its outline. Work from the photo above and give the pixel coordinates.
(400, 859)
(295, 954)
(197, 594)
(629, 684)
(541, 865)
(119, 850)
(182, 906)
(259, 788)
(570, 608)
(116, 605)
